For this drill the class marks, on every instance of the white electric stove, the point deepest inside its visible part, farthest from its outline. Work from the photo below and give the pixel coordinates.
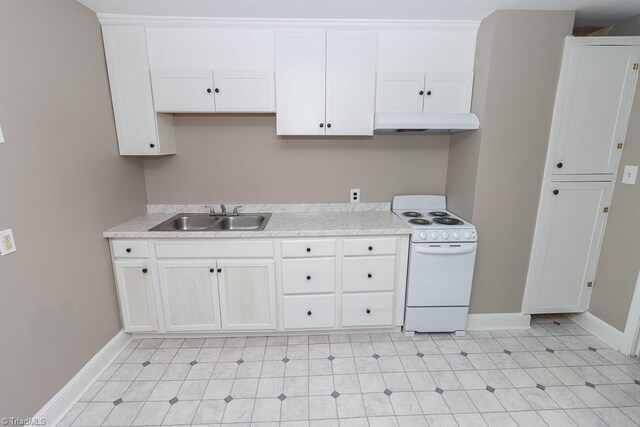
(442, 257)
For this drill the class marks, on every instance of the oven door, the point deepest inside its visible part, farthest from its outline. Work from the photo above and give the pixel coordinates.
(440, 274)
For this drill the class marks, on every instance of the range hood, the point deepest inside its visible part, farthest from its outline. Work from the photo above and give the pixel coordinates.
(387, 123)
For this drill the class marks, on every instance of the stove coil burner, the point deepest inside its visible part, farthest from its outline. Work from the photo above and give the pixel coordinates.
(419, 221)
(438, 214)
(412, 214)
(447, 221)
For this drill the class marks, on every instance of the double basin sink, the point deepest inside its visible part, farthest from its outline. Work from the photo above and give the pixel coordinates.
(206, 222)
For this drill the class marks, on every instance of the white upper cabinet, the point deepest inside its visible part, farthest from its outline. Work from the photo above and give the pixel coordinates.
(182, 91)
(593, 107)
(399, 92)
(300, 82)
(244, 90)
(447, 92)
(138, 127)
(350, 84)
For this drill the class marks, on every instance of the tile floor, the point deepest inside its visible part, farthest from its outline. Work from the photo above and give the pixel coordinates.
(553, 374)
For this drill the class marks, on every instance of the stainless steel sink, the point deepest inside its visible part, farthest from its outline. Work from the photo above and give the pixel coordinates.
(206, 222)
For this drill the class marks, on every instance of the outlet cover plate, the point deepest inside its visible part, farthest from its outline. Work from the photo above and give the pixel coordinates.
(7, 243)
(629, 175)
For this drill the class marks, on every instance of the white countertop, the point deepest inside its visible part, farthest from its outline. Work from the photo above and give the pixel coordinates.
(281, 224)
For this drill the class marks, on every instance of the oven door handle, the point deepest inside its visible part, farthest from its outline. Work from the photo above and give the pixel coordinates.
(446, 250)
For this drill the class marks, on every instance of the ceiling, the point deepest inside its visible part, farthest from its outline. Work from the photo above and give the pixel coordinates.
(589, 12)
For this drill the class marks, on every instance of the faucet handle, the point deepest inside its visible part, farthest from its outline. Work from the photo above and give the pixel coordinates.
(236, 210)
(223, 208)
(212, 210)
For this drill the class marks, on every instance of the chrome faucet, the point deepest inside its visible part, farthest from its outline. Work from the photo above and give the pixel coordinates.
(236, 210)
(223, 208)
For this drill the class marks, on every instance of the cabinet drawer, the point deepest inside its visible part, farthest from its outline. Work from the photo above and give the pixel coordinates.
(367, 309)
(309, 311)
(308, 248)
(368, 274)
(215, 249)
(308, 276)
(370, 246)
(130, 249)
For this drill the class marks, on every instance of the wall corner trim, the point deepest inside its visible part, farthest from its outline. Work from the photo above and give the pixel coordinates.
(598, 328)
(497, 321)
(68, 395)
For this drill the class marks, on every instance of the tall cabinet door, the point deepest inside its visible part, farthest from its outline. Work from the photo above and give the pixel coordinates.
(596, 102)
(126, 53)
(135, 291)
(351, 81)
(189, 295)
(300, 81)
(568, 244)
(247, 294)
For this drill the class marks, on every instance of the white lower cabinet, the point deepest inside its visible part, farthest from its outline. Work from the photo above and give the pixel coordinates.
(375, 309)
(363, 274)
(308, 276)
(135, 292)
(309, 311)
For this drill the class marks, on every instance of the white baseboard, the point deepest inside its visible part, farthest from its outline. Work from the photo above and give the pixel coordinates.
(496, 321)
(598, 328)
(59, 404)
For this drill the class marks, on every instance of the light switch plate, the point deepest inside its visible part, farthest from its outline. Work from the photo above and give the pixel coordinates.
(7, 244)
(629, 175)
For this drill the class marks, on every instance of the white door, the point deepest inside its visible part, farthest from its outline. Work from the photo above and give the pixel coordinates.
(247, 294)
(448, 92)
(126, 53)
(595, 104)
(183, 91)
(300, 81)
(135, 291)
(351, 82)
(244, 90)
(567, 245)
(399, 92)
(189, 295)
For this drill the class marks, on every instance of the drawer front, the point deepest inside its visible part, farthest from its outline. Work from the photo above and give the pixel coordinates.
(308, 276)
(370, 246)
(215, 249)
(309, 311)
(308, 248)
(367, 309)
(369, 274)
(130, 249)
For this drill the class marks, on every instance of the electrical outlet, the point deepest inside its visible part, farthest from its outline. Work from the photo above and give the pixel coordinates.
(354, 195)
(7, 244)
(629, 175)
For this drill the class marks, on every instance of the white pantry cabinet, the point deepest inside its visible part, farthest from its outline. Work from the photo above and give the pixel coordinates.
(139, 129)
(135, 293)
(325, 81)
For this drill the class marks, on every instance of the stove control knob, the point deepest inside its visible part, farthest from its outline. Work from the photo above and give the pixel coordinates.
(434, 236)
(467, 235)
(422, 235)
(456, 235)
(445, 235)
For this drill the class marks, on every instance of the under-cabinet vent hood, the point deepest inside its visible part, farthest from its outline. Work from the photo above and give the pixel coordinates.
(386, 123)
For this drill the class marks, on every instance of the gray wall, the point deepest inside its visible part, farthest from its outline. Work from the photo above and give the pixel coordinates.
(239, 159)
(618, 265)
(62, 184)
(514, 94)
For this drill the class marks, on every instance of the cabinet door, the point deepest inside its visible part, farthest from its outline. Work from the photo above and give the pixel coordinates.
(244, 90)
(189, 295)
(399, 92)
(247, 294)
(594, 104)
(448, 92)
(126, 53)
(183, 91)
(567, 245)
(351, 80)
(300, 82)
(135, 291)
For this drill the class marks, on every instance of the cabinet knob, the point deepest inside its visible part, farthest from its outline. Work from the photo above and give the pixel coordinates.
(209, 90)
(128, 250)
(421, 92)
(308, 277)
(308, 249)
(309, 313)
(219, 270)
(428, 92)
(321, 125)
(211, 270)
(217, 90)
(328, 125)
(556, 192)
(368, 311)
(369, 275)
(144, 270)
(559, 165)
(370, 248)
(152, 145)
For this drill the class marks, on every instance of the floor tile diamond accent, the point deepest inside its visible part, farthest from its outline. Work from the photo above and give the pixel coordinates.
(593, 349)
(193, 362)
(556, 322)
(331, 357)
(491, 389)
(239, 361)
(507, 351)
(282, 397)
(173, 400)
(387, 392)
(588, 384)
(464, 353)
(117, 402)
(285, 360)
(335, 394)
(637, 381)
(147, 363)
(549, 350)
(540, 386)
(439, 390)
(227, 399)
(375, 356)
(419, 354)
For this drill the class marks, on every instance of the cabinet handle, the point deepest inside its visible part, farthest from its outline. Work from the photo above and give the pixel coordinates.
(369, 275)
(219, 270)
(217, 90)
(152, 145)
(559, 165)
(209, 90)
(428, 92)
(211, 270)
(321, 125)
(421, 92)
(309, 313)
(308, 249)
(370, 248)
(556, 192)
(128, 250)
(144, 270)
(328, 125)
(308, 277)
(368, 311)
